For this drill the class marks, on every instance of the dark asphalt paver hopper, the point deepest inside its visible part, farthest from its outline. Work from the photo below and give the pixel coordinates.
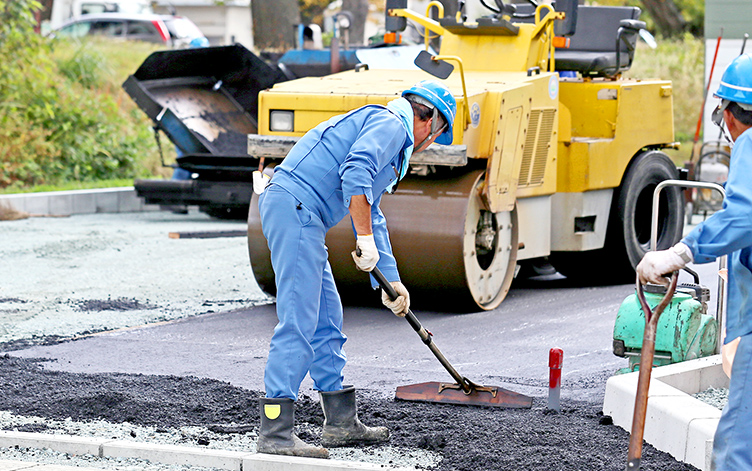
(463, 391)
(205, 101)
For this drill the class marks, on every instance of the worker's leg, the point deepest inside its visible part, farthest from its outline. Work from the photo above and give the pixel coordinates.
(732, 445)
(329, 359)
(296, 241)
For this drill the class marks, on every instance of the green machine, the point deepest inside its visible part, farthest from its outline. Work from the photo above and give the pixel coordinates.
(685, 331)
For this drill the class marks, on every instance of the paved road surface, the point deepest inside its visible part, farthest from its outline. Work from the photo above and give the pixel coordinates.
(507, 347)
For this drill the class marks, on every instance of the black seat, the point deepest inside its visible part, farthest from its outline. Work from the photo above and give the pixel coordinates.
(605, 37)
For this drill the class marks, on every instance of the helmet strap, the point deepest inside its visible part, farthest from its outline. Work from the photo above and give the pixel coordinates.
(436, 129)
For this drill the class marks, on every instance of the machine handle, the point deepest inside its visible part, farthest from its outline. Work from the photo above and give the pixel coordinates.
(720, 313)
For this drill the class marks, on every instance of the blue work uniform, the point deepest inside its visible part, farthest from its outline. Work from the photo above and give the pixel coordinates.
(729, 232)
(359, 153)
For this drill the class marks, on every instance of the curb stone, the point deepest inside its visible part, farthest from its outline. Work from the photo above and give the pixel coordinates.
(67, 203)
(169, 454)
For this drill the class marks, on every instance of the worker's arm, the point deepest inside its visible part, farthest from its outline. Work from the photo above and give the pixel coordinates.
(360, 212)
(729, 229)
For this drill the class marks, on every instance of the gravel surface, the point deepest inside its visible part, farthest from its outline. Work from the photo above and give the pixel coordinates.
(63, 278)
(716, 397)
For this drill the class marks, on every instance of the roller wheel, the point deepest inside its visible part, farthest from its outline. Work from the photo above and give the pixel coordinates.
(628, 236)
(450, 252)
(490, 252)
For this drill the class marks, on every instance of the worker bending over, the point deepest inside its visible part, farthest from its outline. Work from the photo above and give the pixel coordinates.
(342, 166)
(727, 232)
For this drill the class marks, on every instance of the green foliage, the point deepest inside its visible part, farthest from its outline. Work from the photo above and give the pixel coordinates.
(63, 114)
(681, 61)
(86, 67)
(693, 12)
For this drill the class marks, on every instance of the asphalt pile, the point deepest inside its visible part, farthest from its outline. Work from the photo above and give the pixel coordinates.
(464, 438)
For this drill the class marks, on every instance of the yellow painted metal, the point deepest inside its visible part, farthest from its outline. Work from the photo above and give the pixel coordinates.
(568, 136)
(502, 175)
(610, 122)
(508, 53)
(531, 47)
(440, 14)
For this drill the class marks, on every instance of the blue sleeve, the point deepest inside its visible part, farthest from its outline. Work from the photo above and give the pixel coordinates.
(729, 229)
(387, 263)
(379, 140)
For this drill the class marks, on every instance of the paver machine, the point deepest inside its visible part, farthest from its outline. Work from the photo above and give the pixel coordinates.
(555, 155)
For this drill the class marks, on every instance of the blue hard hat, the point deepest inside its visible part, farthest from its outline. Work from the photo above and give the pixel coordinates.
(736, 83)
(439, 95)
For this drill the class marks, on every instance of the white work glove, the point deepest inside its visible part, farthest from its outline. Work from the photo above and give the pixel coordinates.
(655, 265)
(369, 254)
(401, 305)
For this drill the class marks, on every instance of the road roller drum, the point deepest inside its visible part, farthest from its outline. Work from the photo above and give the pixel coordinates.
(443, 239)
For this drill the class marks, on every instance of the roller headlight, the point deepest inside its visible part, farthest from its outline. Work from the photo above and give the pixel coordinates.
(281, 121)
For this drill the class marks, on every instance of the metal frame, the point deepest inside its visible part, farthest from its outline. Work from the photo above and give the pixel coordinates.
(720, 313)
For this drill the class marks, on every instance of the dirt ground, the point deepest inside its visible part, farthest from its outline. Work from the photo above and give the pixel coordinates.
(467, 438)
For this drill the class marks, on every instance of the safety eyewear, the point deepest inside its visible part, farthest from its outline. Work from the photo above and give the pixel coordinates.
(717, 116)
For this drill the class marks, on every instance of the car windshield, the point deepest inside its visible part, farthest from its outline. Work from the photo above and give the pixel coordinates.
(182, 28)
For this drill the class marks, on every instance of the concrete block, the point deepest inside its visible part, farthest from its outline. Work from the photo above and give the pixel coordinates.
(60, 204)
(173, 454)
(36, 203)
(8, 465)
(620, 397)
(692, 376)
(700, 443)
(57, 467)
(59, 443)
(106, 201)
(13, 202)
(264, 462)
(84, 202)
(668, 420)
(128, 201)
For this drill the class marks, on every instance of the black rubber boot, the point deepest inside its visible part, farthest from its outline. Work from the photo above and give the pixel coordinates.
(341, 424)
(276, 437)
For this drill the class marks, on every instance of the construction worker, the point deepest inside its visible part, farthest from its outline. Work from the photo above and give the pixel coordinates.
(342, 166)
(727, 232)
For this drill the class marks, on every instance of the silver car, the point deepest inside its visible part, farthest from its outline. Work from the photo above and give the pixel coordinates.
(172, 31)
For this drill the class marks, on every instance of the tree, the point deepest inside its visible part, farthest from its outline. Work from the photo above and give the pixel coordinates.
(274, 23)
(359, 10)
(667, 17)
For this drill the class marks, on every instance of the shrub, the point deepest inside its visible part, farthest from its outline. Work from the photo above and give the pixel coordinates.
(63, 114)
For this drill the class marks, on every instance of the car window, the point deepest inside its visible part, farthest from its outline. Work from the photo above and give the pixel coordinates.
(107, 27)
(75, 30)
(182, 28)
(144, 31)
(141, 28)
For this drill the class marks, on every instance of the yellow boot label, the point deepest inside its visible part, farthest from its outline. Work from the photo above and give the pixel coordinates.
(272, 411)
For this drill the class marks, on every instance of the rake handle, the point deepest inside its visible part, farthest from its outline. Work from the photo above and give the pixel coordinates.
(424, 335)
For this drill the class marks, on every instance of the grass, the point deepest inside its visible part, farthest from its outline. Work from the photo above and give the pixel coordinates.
(112, 183)
(66, 121)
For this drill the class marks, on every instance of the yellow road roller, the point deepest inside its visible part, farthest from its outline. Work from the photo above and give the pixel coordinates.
(554, 159)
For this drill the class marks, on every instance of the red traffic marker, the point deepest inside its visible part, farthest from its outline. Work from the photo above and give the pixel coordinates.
(555, 360)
